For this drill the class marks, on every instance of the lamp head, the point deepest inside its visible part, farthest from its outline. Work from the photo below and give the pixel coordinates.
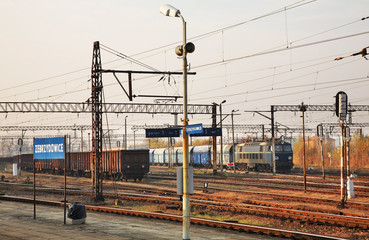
(223, 102)
(169, 10)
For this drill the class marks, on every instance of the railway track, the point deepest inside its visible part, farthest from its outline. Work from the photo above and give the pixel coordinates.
(194, 220)
(160, 191)
(209, 202)
(324, 188)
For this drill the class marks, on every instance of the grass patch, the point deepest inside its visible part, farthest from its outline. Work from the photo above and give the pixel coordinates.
(134, 206)
(301, 230)
(257, 223)
(212, 217)
(229, 219)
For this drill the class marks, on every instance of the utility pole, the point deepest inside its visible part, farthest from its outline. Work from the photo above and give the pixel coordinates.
(273, 141)
(221, 137)
(214, 125)
(342, 143)
(321, 136)
(125, 133)
(233, 146)
(341, 113)
(321, 150)
(81, 139)
(97, 130)
(303, 110)
(348, 138)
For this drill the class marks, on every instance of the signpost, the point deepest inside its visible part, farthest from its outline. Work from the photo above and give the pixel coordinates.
(162, 132)
(49, 148)
(194, 129)
(209, 132)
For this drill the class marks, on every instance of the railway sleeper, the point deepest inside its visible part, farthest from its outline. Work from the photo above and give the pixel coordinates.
(300, 218)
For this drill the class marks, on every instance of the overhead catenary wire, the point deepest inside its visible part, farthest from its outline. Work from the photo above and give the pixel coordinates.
(272, 75)
(123, 56)
(284, 9)
(145, 78)
(280, 50)
(355, 80)
(253, 55)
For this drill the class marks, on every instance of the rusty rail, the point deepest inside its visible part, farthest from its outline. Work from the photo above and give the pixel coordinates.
(194, 220)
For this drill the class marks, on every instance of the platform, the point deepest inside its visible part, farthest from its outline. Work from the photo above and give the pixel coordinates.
(16, 222)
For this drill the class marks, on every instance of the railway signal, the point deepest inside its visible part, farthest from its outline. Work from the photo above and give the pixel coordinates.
(321, 135)
(341, 113)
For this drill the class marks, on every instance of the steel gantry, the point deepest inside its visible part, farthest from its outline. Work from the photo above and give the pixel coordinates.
(78, 107)
(326, 108)
(335, 127)
(317, 108)
(41, 128)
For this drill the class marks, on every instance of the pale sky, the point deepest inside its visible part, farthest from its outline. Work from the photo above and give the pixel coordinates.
(47, 52)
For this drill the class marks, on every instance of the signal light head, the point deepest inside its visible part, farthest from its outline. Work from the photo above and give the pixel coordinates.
(190, 48)
(179, 50)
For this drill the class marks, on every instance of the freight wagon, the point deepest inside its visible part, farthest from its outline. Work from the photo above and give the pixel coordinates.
(116, 164)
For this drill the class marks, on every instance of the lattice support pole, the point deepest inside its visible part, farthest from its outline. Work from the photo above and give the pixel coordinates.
(97, 131)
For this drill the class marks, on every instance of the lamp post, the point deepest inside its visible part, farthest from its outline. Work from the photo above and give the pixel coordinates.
(171, 11)
(234, 158)
(221, 137)
(125, 133)
(89, 144)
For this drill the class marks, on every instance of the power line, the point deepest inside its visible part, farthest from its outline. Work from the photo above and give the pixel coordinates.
(300, 92)
(263, 77)
(123, 56)
(280, 50)
(289, 7)
(292, 87)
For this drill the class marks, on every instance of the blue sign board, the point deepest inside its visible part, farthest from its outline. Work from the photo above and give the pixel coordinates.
(49, 148)
(162, 132)
(194, 129)
(208, 132)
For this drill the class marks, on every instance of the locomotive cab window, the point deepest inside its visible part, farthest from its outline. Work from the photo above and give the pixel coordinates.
(287, 148)
(278, 148)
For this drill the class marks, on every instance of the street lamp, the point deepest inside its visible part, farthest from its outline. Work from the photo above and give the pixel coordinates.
(221, 137)
(171, 11)
(234, 158)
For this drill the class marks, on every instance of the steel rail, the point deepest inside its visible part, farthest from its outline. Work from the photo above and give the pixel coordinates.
(244, 208)
(194, 220)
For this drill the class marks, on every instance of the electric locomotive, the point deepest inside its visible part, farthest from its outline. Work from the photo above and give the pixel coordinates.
(257, 156)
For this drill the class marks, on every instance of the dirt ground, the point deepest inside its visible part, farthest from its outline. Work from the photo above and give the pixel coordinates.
(84, 184)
